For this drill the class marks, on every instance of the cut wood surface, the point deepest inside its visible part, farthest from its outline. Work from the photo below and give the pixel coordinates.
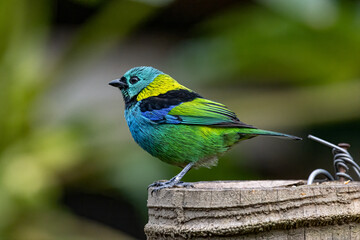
(256, 210)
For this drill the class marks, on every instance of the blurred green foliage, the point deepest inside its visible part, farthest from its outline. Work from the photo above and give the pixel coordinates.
(257, 44)
(35, 153)
(32, 154)
(61, 127)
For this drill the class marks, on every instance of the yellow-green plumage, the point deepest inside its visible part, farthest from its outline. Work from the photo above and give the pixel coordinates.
(177, 125)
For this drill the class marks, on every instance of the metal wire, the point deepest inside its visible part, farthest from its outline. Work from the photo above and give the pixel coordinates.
(342, 159)
(317, 172)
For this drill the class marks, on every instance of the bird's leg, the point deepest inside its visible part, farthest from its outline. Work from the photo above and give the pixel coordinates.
(175, 181)
(181, 174)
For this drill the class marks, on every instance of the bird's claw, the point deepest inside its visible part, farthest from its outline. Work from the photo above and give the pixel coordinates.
(160, 185)
(157, 184)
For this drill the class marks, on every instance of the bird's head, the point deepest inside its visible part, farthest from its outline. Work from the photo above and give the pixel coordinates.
(134, 81)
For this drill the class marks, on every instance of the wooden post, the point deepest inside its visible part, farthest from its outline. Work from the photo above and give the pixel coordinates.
(256, 210)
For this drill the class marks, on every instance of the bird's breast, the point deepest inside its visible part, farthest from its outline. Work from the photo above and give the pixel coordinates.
(142, 129)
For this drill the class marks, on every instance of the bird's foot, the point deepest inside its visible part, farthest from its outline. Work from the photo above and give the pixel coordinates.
(157, 183)
(168, 184)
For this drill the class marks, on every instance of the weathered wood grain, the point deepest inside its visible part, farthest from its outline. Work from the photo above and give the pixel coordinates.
(256, 210)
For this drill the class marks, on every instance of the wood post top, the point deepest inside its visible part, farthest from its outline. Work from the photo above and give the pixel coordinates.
(239, 207)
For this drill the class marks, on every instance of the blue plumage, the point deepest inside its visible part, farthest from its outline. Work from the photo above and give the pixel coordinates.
(161, 116)
(177, 125)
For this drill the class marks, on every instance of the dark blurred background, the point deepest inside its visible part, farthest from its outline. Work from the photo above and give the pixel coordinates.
(69, 168)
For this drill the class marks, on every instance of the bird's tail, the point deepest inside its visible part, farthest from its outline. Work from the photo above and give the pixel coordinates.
(256, 131)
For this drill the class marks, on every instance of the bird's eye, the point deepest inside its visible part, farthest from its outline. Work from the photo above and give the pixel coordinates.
(133, 80)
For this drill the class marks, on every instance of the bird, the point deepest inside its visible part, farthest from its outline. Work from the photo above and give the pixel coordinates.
(177, 125)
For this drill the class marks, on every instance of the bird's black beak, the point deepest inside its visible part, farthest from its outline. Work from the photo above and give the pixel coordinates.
(117, 83)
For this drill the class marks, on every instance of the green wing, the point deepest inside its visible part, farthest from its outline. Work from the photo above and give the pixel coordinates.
(202, 111)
